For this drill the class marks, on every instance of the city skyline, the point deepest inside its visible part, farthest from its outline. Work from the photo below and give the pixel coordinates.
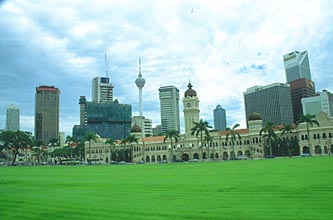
(209, 44)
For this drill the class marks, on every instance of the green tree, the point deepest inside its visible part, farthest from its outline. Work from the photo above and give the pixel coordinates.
(172, 134)
(132, 139)
(309, 120)
(268, 133)
(200, 128)
(112, 144)
(208, 139)
(15, 140)
(54, 142)
(234, 135)
(123, 143)
(90, 136)
(287, 129)
(70, 141)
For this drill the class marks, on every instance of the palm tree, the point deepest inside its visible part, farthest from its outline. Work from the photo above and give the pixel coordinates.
(208, 139)
(309, 120)
(269, 135)
(199, 128)
(234, 135)
(123, 143)
(70, 141)
(287, 128)
(112, 144)
(132, 139)
(89, 137)
(172, 134)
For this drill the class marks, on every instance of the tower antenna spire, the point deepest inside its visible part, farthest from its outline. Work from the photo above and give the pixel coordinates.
(106, 66)
(140, 66)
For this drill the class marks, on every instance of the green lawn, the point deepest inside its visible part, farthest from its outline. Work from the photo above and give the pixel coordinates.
(297, 188)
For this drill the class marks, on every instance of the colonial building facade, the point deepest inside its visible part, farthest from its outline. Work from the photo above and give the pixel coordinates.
(188, 147)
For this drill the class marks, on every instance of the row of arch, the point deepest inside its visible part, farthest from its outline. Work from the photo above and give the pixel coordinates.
(186, 156)
(318, 150)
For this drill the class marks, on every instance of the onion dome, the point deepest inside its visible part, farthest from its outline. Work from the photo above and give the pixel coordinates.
(254, 116)
(190, 92)
(136, 128)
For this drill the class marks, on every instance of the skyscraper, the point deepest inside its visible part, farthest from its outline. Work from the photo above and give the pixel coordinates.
(298, 75)
(297, 66)
(46, 113)
(191, 109)
(322, 102)
(102, 90)
(220, 120)
(108, 120)
(299, 89)
(272, 102)
(12, 118)
(169, 102)
(140, 82)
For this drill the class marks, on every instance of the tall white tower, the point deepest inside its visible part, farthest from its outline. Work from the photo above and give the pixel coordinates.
(12, 118)
(140, 82)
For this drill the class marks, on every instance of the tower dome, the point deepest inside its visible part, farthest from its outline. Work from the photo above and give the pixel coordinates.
(254, 116)
(190, 92)
(136, 128)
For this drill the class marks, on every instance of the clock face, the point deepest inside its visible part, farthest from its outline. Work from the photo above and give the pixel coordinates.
(188, 104)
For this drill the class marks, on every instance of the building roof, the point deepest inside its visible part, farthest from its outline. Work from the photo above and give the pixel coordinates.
(190, 92)
(239, 131)
(153, 139)
(136, 128)
(254, 116)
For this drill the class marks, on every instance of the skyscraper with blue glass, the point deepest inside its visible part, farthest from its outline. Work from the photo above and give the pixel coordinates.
(220, 120)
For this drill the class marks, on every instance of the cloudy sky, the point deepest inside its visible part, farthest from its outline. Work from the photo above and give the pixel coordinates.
(223, 47)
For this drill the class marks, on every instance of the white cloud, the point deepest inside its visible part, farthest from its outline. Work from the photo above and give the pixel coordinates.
(223, 47)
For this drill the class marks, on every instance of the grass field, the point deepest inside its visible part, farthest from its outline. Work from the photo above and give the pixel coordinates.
(297, 188)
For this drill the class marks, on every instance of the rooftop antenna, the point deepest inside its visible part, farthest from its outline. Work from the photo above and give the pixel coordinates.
(106, 66)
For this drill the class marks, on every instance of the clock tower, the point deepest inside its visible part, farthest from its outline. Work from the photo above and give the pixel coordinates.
(191, 109)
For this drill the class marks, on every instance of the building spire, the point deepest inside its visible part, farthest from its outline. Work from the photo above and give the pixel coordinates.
(106, 67)
(140, 68)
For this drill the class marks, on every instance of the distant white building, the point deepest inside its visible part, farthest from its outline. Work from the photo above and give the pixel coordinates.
(102, 90)
(322, 102)
(12, 118)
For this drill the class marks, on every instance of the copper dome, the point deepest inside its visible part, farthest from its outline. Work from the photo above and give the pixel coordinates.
(136, 128)
(190, 92)
(254, 116)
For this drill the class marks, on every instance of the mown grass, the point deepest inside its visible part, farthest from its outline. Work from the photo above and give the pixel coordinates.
(297, 188)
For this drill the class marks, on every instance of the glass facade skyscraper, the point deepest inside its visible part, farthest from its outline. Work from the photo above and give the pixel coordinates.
(220, 120)
(297, 66)
(272, 102)
(108, 120)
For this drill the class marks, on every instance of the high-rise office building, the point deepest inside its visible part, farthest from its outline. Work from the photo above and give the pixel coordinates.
(300, 88)
(322, 102)
(12, 118)
(272, 102)
(47, 113)
(220, 120)
(102, 90)
(108, 120)
(191, 109)
(169, 102)
(297, 66)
